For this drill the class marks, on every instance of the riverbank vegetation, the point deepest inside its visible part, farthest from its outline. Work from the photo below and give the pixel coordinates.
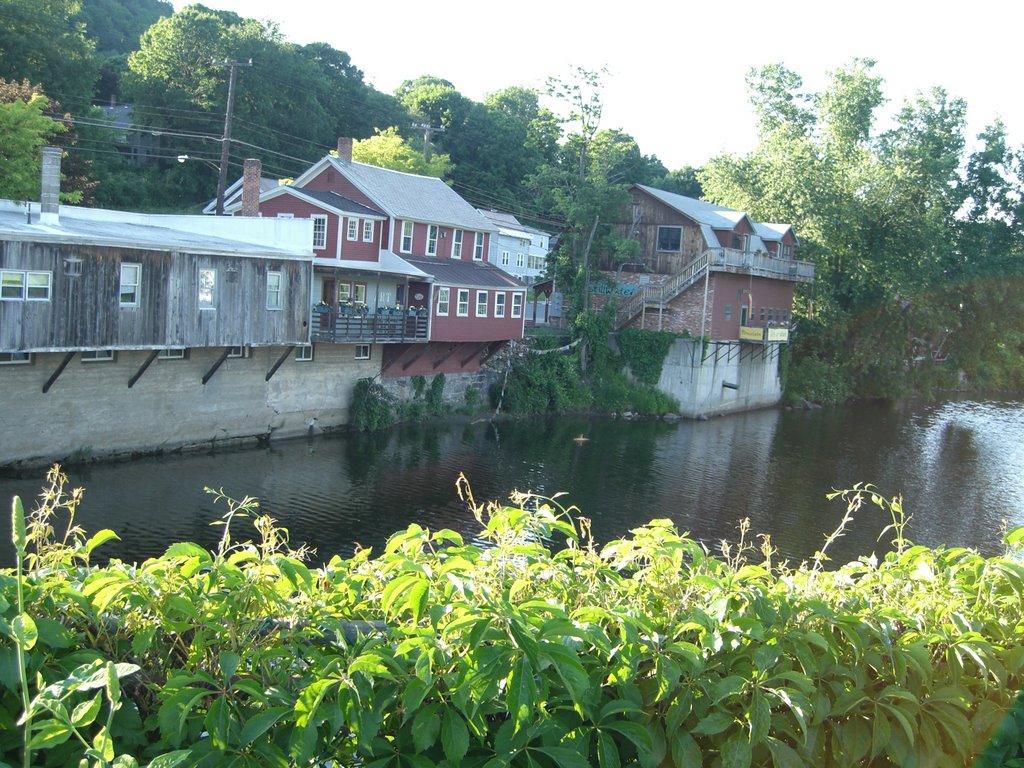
(527, 645)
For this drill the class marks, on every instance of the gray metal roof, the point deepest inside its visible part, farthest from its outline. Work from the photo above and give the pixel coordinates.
(715, 216)
(410, 197)
(456, 272)
(336, 201)
(232, 235)
(772, 232)
(388, 264)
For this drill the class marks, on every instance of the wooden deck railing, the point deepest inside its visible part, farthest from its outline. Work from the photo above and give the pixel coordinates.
(330, 327)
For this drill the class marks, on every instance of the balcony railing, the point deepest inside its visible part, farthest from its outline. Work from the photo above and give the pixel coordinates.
(384, 326)
(762, 265)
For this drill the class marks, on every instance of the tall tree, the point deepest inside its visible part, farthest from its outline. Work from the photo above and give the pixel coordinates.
(41, 41)
(387, 149)
(25, 128)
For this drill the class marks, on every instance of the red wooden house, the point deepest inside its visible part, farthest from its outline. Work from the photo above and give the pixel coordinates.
(400, 267)
(709, 270)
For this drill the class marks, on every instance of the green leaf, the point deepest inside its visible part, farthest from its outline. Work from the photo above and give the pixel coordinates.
(760, 717)
(85, 713)
(24, 630)
(714, 723)
(637, 733)
(685, 751)
(170, 759)
(417, 600)
(103, 744)
(256, 725)
(564, 757)
(607, 751)
(100, 538)
(425, 728)
(783, 755)
(49, 734)
(228, 664)
(454, 736)
(736, 752)
(520, 692)
(188, 549)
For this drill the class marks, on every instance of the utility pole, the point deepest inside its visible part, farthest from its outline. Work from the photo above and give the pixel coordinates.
(222, 181)
(428, 133)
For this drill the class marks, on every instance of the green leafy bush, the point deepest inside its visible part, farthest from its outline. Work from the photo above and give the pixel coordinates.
(507, 650)
(372, 407)
(644, 352)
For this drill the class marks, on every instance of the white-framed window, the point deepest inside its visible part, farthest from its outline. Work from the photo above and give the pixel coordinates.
(462, 306)
(362, 351)
(520, 260)
(670, 239)
(457, 244)
(536, 261)
(240, 352)
(478, 246)
(16, 285)
(504, 258)
(481, 303)
(319, 231)
(443, 301)
(98, 356)
(432, 240)
(131, 274)
(728, 311)
(275, 290)
(352, 229)
(367, 230)
(207, 288)
(15, 358)
(304, 353)
(517, 304)
(499, 304)
(407, 227)
(359, 293)
(172, 354)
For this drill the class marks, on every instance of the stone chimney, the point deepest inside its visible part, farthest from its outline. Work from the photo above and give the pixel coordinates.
(251, 172)
(50, 198)
(345, 148)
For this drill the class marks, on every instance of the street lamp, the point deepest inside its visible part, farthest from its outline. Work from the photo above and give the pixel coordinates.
(183, 158)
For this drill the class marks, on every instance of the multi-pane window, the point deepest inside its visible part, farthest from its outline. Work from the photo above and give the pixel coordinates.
(670, 239)
(275, 293)
(517, 305)
(457, 244)
(431, 239)
(319, 232)
(207, 288)
(406, 237)
(478, 246)
(520, 260)
(304, 353)
(362, 351)
(352, 229)
(499, 304)
(462, 308)
(481, 303)
(359, 293)
(504, 258)
(536, 261)
(177, 353)
(15, 358)
(443, 300)
(25, 286)
(130, 275)
(367, 231)
(728, 311)
(98, 356)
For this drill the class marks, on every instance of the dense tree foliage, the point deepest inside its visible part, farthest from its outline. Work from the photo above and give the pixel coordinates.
(900, 223)
(387, 149)
(25, 128)
(117, 25)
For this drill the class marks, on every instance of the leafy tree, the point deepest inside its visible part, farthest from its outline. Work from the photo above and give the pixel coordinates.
(25, 128)
(387, 149)
(682, 181)
(117, 25)
(41, 41)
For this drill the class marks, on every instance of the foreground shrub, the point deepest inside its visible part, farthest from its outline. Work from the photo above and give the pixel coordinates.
(502, 652)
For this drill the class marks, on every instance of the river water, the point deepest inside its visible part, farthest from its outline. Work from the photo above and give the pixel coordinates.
(958, 464)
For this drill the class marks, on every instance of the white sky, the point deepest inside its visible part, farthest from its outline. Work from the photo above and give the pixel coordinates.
(676, 69)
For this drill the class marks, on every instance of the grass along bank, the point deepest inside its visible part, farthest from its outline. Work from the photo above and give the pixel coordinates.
(502, 651)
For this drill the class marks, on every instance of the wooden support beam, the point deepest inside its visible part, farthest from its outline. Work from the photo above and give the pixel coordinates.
(479, 348)
(419, 353)
(444, 358)
(280, 362)
(142, 368)
(58, 372)
(218, 364)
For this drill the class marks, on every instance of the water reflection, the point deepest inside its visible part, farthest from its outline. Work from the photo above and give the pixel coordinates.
(957, 463)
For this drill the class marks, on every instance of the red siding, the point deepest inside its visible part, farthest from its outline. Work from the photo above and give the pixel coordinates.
(303, 210)
(731, 289)
(471, 327)
(357, 249)
(329, 180)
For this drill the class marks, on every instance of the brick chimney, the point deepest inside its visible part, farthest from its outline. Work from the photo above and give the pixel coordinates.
(252, 169)
(345, 148)
(50, 198)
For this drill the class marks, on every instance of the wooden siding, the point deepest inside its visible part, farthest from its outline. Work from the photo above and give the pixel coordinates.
(84, 311)
(329, 180)
(472, 328)
(300, 209)
(654, 214)
(731, 289)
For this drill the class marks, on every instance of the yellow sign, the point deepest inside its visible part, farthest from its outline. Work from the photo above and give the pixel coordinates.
(748, 333)
(778, 334)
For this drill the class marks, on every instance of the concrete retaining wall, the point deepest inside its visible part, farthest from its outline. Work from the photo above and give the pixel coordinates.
(90, 411)
(705, 389)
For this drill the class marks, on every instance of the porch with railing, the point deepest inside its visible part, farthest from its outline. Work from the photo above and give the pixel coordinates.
(715, 260)
(331, 326)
